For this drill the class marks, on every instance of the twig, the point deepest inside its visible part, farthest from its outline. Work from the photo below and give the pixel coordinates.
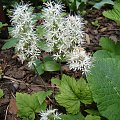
(18, 81)
(6, 112)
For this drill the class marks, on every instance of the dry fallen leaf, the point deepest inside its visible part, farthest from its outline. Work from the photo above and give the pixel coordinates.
(12, 106)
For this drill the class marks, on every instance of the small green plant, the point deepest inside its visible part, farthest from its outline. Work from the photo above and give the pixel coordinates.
(47, 64)
(2, 25)
(28, 105)
(96, 23)
(1, 93)
(114, 14)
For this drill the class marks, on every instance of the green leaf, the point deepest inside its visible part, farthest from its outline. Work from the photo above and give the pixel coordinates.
(10, 43)
(102, 3)
(1, 93)
(104, 82)
(2, 25)
(92, 112)
(109, 45)
(78, 116)
(56, 81)
(40, 31)
(102, 54)
(42, 45)
(47, 58)
(51, 66)
(90, 117)
(72, 92)
(113, 14)
(39, 67)
(29, 104)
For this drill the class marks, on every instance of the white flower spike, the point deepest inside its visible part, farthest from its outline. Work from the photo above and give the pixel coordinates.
(23, 30)
(62, 33)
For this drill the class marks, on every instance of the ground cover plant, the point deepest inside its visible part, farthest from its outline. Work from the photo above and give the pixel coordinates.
(51, 68)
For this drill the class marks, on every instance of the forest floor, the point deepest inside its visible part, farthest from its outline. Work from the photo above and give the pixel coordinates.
(18, 78)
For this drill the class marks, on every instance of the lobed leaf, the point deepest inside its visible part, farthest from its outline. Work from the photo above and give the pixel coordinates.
(113, 14)
(72, 92)
(29, 104)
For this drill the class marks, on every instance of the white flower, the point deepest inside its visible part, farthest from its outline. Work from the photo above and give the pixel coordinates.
(62, 33)
(79, 60)
(23, 29)
(46, 114)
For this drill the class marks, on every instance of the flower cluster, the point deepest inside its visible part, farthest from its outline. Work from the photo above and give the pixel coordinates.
(79, 60)
(46, 114)
(64, 36)
(23, 30)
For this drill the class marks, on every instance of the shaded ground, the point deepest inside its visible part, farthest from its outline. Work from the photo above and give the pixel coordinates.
(18, 78)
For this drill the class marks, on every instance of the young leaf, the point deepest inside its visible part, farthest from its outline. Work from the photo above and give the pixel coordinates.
(92, 112)
(51, 66)
(102, 3)
(104, 82)
(2, 25)
(42, 45)
(115, 13)
(109, 45)
(90, 117)
(1, 93)
(40, 31)
(39, 67)
(56, 81)
(29, 104)
(78, 116)
(72, 92)
(10, 43)
(47, 58)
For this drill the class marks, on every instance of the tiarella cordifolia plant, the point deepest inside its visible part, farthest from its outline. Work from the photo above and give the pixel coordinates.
(45, 115)
(63, 35)
(23, 30)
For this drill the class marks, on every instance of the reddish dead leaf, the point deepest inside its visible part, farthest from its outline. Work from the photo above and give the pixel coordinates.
(12, 107)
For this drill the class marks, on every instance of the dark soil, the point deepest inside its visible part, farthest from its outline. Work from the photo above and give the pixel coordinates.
(18, 78)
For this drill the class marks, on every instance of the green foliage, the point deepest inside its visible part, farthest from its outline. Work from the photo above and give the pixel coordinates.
(109, 45)
(92, 112)
(10, 43)
(56, 81)
(110, 49)
(51, 66)
(73, 92)
(1, 93)
(92, 117)
(2, 25)
(104, 79)
(102, 3)
(28, 105)
(113, 14)
(72, 117)
(42, 45)
(96, 23)
(46, 65)
(40, 31)
(104, 82)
